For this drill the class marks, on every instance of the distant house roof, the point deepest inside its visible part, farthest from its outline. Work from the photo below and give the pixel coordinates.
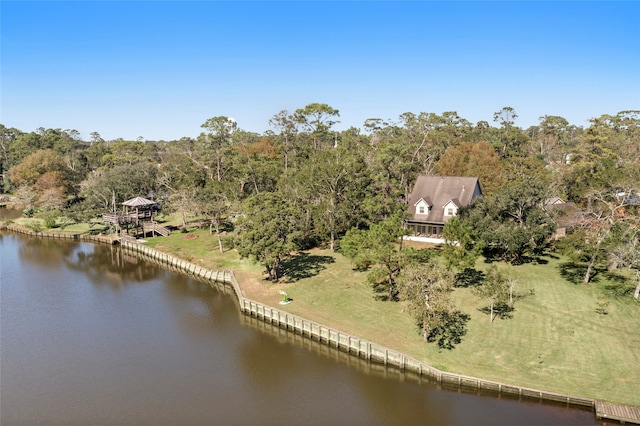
(138, 202)
(567, 214)
(554, 201)
(441, 190)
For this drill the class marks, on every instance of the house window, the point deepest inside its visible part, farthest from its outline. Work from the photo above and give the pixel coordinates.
(450, 211)
(421, 209)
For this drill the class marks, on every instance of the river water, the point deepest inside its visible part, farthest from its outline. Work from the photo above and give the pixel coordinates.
(91, 336)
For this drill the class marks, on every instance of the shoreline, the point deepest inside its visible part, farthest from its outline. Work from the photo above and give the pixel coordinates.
(352, 345)
(349, 344)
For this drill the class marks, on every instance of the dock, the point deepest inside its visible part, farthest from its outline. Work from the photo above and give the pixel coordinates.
(621, 413)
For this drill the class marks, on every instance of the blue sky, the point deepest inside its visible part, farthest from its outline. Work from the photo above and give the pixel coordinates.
(161, 69)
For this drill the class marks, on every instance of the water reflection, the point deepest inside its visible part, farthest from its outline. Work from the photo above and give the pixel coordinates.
(109, 265)
(102, 264)
(43, 253)
(103, 339)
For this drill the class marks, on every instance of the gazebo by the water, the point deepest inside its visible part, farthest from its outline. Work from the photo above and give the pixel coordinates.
(141, 209)
(137, 211)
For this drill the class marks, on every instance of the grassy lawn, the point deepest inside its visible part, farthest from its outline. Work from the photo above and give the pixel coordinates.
(555, 339)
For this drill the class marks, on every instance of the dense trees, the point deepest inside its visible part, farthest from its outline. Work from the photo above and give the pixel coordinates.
(609, 225)
(378, 247)
(511, 224)
(42, 179)
(473, 159)
(348, 188)
(101, 189)
(270, 230)
(214, 144)
(334, 185)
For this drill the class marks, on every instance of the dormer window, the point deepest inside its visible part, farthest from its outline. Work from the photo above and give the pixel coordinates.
(422, 207)
(450, 209)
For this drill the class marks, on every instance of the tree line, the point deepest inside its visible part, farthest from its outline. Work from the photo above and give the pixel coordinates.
(303, 184)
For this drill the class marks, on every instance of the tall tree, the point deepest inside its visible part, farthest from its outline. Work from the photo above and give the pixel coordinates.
(425, 147)
(604, 210)
(626, 253)
(95, 137)
(553, 139)
(183, 201)
(495, 288)
(513, 223)
(317, 119)
(394, 164)
(287, 123)
(462, 246)
(179, 170)
(427, 289)
(212, 202)
(255, 163)
(218, 139)
(335, 184)
(473, 159)
(7, 138)
(380, 246)
(269, 230)
(511, 137)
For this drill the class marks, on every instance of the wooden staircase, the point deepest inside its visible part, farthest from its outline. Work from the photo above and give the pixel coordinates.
(155, 228)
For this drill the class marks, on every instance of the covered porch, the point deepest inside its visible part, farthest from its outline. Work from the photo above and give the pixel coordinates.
(424, 232)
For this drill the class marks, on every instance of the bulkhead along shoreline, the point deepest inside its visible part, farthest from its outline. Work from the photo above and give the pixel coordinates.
(353, 345)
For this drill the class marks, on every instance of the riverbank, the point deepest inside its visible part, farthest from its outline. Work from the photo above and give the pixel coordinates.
(348, 343)
(555, 340)
(94, 332)
(325, 290)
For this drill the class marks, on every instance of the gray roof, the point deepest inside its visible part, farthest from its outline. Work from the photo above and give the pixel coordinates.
(440, 190)
(138, 202)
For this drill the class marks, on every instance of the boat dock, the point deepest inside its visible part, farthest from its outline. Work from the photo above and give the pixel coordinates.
(621, 413)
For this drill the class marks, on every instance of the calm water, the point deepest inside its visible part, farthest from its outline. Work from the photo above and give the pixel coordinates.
(89, 336)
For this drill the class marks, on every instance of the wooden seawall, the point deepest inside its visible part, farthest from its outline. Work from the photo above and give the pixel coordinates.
(62, 235)
(352, 346)
(345, 342)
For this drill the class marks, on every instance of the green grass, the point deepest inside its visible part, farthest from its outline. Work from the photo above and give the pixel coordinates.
(199, 247)
(555, 339)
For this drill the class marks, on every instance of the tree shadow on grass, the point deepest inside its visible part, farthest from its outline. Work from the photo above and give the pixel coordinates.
(450, 334)
(468, 277)
(618, 285)
(500, 310)
(303, 265)
(575, 272)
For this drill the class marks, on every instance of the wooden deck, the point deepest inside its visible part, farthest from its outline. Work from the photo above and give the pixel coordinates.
(620, 413)
(154, 227)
